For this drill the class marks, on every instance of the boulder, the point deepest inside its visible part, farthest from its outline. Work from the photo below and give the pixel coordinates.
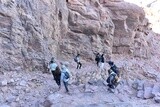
(148, 93)
(156, 89)
(140, 94)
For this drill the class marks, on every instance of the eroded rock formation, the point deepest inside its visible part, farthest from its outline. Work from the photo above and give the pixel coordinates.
(34, 31)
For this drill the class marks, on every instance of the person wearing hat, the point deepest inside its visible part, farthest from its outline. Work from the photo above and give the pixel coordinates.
(65, 75)
(55, 70)
(113, 67)
(113, 78)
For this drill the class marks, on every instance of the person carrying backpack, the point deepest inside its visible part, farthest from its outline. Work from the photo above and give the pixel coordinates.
(77, 60)
(114, 68)
(65, 75)
(97, 59)
(111, 80)
(54, 69)
(114, 74)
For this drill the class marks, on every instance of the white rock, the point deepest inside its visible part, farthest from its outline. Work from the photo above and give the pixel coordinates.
(148, 92)
(17, 99)
(140, 94)
(53, 97)
(4, 89)
(3, 82)
(156, 89)
(18, 87)
(23, 83)
(11, 80)
(27, 90)
(140, 85)
(10, 98)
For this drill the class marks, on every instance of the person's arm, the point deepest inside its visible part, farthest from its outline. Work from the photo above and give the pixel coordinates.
(62, 76)
(49, 68)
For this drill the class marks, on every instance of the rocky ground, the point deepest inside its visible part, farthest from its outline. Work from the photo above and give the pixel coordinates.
(37, 89)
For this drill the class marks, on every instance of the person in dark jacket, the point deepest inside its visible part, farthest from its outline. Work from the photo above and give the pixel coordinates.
(55, 70)
(113, 78)
(113, 67)
(97, 59)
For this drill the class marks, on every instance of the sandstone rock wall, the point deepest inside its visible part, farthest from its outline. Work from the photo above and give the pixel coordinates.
(130, 27)
(31, 31)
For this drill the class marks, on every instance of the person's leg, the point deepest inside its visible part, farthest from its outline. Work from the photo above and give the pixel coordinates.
(77, 65)
(56, 79)
(66, 86)
(59, 80)
(80, 65)
(97, 63)
(52, 73)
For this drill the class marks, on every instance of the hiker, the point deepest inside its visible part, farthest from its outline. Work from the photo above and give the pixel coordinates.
(53, 67)
(114, 68)
(102, 61)
(113, 78)
(77, 60)
(65, 75)
(97, 59)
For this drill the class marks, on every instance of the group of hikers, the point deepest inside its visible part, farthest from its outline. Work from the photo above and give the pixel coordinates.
(62, 74)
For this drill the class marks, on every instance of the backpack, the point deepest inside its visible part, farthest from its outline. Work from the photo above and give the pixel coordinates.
(112, 78)
(97, 59)
(75, 59)
(66, 74)
(116, 70)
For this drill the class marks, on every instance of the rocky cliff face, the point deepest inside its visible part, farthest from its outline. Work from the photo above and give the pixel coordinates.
(34, 31)
(30, 32)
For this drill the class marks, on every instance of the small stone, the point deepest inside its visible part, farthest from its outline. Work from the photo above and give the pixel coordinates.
(140, 94)
(3, 82)
(11, 81)
(17, 99)
(27, 90)
(10, 98)
(18, 87)
(148, 93)
(4, 89)
(23, 83)
(15, 92)
(156, 89)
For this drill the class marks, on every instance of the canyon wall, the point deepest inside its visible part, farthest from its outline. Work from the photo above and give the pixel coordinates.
(32, 31)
